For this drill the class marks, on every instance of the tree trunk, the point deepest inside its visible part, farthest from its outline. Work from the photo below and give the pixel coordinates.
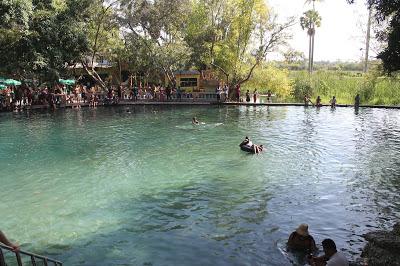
(367, 40)
(309, 54)
(312, 53)
(95, 76)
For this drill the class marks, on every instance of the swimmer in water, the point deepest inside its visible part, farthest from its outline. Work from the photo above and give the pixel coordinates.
(195, 121)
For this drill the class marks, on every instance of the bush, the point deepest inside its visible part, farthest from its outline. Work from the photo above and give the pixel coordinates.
(269, 78)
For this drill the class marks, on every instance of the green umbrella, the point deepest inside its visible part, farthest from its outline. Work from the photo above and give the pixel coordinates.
(2, 87)
(10, 82)
(67, 81)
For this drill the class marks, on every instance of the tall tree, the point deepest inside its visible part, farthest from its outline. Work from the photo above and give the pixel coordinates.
(157, 25)
(309, 21)
(237, 36)
(103, 36)
(38, 41)
(368, 39)
(388, 10)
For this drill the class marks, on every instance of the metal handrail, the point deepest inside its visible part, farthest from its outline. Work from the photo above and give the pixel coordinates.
(31, 255)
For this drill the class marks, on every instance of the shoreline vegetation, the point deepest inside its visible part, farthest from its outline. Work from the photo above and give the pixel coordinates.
(291, 86)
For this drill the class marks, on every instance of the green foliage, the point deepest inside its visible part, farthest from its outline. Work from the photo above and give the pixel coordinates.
(155, 29)
(15, 14)
(310, 19)
(103, 30)
(391, 54)
(301, 86)
(388, 10)
(293, 56)
(372, 87)
(247, 22)
(41, 42)
(269, 78)
(231, 35)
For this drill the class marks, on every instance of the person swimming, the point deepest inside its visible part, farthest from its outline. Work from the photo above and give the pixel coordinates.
(195, 121)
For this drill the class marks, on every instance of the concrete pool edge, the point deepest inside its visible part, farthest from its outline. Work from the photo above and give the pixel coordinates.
(187, 103)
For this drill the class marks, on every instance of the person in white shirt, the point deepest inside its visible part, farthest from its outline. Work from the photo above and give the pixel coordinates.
(332, 257)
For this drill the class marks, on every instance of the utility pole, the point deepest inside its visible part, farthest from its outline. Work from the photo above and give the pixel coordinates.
(368, 40)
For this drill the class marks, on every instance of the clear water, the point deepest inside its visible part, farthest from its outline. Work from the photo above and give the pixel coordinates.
(108, 187)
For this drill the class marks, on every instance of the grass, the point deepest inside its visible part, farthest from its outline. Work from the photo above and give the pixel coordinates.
(373, 89)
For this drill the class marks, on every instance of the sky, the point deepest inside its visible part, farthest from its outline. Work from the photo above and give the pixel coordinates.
(342, 31)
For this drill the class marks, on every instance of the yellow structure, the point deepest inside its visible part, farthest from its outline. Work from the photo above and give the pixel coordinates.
(193, 81)
(187, 80)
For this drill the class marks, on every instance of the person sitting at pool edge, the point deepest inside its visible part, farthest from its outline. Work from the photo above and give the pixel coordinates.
(332, 257)
(301, 240)
(5, 241)
(195, 121)
(357, 101)
(318, 102)
(333, 102)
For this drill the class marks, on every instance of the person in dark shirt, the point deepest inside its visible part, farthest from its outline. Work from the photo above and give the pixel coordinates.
(357, 101)
(248, 96)
(301, 240)
(318, 102)
(333, 102)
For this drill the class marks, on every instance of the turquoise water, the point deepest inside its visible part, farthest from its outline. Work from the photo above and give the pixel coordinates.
(107, 187)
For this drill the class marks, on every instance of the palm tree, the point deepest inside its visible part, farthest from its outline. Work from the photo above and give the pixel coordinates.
(309, 21)
(313, 2)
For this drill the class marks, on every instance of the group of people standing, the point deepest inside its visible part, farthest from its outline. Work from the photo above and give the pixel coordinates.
(255, 95)
(249, 95)
(222, 93)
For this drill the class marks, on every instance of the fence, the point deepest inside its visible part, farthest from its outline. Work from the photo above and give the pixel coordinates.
(34, 258)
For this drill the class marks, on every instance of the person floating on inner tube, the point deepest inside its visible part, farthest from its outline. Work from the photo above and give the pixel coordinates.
(246, 142)
(195, 121)
(247, 145)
